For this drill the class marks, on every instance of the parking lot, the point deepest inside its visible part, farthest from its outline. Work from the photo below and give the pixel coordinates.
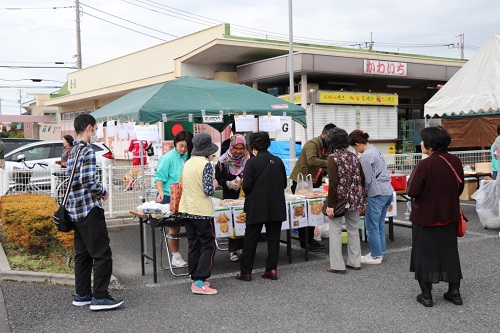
(305, 298)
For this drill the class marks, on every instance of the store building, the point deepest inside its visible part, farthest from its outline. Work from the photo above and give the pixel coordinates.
(320, 74)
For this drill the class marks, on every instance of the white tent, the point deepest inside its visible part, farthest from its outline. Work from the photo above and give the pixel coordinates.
(475, 88)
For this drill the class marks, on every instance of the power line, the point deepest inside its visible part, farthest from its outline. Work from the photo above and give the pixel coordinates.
(166, 33)
(121, 26)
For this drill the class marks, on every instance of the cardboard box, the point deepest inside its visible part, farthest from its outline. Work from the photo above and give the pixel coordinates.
(483, 167)
(470, 187)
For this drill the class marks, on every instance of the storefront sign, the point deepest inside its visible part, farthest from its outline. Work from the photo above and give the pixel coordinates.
(391, 68)
(297, 98)
(340, 97)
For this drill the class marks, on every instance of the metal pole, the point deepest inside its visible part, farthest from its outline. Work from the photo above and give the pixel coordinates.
(290, 69)
(78, 41)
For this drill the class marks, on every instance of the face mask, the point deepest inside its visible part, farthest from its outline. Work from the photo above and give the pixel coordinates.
(93, 138)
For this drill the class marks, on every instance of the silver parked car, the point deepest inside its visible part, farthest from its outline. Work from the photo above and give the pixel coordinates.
(48, 152)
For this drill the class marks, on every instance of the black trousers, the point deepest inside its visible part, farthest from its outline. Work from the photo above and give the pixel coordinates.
(201, 239)
(252, 233)
(92, 250)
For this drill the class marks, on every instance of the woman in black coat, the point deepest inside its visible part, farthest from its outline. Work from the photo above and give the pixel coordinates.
(264, 186)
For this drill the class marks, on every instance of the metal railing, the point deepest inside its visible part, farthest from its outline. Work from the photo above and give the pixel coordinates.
(127, 189)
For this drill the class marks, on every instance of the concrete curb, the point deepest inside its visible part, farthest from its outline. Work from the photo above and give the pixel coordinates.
(6, 274)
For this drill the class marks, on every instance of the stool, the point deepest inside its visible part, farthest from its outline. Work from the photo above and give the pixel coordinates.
(165, 238)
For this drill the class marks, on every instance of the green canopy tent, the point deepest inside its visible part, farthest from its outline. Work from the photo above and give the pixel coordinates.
(179, 98)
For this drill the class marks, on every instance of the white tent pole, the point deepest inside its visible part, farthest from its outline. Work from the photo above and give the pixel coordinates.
(290, 70)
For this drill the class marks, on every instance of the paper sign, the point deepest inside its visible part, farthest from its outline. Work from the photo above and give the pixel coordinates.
(110, 129)
(269, 124)
(131, 130)
(99, 132)
(213, 119)
(121, 128)
(147, 133)
(223, 222)
(239, 221)
(285, 130)
(244, 123)
(314, 215)
(298, 213)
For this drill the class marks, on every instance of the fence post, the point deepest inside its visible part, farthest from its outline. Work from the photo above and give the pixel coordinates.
(4, 181)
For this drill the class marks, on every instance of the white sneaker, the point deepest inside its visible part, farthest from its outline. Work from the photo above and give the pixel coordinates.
(368, 260)
(178, 262)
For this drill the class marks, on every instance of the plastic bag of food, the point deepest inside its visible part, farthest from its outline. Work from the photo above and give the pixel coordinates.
(304, 185)
(487, 204)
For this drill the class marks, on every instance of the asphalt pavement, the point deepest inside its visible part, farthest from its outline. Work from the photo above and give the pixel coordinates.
(305, 298)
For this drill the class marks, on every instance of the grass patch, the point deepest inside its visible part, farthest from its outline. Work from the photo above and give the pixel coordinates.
(54, 260)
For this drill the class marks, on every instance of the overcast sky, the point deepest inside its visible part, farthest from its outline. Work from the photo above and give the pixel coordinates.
(38, 33)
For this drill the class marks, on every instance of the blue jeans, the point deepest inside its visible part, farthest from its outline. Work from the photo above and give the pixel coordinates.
(376, 209)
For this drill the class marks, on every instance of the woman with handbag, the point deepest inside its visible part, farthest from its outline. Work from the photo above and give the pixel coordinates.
(229, 174)
(379, 194)
(435, 186)
(168, 172)
(346, 196)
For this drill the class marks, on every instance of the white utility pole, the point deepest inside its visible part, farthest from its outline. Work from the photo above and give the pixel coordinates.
(78, 41)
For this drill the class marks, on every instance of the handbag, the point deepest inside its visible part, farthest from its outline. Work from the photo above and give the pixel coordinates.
(175, 196)
(61, 217)
(461, 224)
(339, 209)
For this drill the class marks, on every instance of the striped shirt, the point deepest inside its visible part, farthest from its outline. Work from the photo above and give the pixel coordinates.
(377, 178)
(86, 190)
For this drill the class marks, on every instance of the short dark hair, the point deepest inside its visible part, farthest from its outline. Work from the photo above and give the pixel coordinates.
(185, 136)
(328, 127)
(336, 138)
(435, 137)
(357, 136)
(69, 139)
(82, 121)
(260, 141)
(498, 129)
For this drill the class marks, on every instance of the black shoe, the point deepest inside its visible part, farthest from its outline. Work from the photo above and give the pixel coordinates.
(338, 271)
(107, 303)
(453, 298)
(313, 249)
(425, 300)
(315, 243)
(353, 268)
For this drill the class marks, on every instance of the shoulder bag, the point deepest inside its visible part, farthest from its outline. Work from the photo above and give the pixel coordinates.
(461, 226)
(61, 217)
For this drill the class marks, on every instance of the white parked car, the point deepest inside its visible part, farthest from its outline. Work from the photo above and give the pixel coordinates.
(48, 152)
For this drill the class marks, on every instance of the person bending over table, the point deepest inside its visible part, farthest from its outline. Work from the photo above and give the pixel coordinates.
(345, 184)
(379, 195)
(169, 171)
(264, 186)
(312, 160)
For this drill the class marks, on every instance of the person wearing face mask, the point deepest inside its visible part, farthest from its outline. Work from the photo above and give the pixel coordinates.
(229, 174)
(169, 171)
(85, 209)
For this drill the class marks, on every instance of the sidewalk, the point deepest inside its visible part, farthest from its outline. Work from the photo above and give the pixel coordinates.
(306, 297)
